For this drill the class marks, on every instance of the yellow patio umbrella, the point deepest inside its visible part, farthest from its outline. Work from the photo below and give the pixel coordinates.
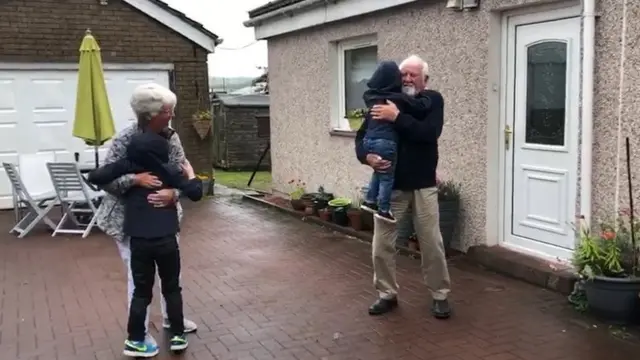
(93, 122)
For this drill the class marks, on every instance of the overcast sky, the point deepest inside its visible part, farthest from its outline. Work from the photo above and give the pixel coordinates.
(225, 18)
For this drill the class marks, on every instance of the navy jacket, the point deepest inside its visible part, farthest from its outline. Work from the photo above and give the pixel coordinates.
(417, 145)
(386, 84)
(148, 152)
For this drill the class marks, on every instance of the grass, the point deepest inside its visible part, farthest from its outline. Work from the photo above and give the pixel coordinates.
(239, 179)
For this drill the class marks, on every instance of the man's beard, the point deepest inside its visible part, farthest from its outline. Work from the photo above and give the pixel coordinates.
(409, 90)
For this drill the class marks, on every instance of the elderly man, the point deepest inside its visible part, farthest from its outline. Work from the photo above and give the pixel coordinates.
(415, 193)
(149, 102)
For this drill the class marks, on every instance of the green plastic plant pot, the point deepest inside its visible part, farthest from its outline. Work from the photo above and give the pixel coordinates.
(340, 202)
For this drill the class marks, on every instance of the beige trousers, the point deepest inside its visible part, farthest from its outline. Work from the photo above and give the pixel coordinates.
(423, 206)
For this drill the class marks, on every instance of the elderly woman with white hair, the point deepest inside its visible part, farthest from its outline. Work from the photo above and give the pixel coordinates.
(150, 103)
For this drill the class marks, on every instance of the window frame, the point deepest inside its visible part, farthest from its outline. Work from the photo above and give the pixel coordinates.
(342, 47)
(263, 131)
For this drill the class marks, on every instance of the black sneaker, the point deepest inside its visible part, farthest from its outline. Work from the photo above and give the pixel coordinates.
(383, 306)
(369, 206)
(385, 216)
(440, 309)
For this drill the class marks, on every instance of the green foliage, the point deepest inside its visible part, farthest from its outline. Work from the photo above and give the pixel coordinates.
(298, 190)
(608, 253)
(356, 113)
(448, 190)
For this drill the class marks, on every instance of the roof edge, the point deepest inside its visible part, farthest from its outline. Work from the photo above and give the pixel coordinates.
(271, 6)
(309, 13)
(178, 22)
(287, 8)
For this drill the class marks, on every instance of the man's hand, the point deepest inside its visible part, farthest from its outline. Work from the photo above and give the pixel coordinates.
(162, 198)
(388, 112)
(378, 163)
(147, 180)
(187, 170)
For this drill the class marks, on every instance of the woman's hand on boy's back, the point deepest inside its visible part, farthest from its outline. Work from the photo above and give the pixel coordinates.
(187, 170)
(147, 180)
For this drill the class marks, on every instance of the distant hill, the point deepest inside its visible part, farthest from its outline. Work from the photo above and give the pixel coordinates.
(229, 84)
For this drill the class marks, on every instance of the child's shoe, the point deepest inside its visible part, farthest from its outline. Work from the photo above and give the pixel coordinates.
(178, 343)
(140, 349)
(385, 216)
(369, 207)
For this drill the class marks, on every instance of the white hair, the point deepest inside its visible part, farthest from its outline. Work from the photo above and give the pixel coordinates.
(147, 101)
(416, 60)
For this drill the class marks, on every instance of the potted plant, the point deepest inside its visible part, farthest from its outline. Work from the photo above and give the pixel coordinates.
(355, 215)
(366, 217)
(296, 195)
(355, 118)
(413, 243)
(309, 209)
(201, 121)
(321, 199)
(207, 182)
(339, 208)
(607, 263)
(449, 206)
(325, 214)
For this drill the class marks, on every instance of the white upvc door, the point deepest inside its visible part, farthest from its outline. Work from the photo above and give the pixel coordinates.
(541, 136)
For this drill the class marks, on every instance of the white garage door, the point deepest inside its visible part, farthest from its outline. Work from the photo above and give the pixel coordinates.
(37, 109)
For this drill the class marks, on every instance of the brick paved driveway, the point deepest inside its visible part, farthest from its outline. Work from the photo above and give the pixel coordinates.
(265, 286)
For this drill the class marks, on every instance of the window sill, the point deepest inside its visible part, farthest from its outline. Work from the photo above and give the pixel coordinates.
(343, 133)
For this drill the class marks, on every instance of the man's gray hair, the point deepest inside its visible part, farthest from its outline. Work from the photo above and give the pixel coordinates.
(147, 101)
(416, 60)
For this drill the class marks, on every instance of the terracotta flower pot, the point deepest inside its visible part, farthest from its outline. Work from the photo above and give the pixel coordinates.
(325, 214)
(355, 218)
(414, 245)
(297, 204)
(309, 210)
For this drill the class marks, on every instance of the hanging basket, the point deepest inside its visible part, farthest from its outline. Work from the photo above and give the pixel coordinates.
(202, 124)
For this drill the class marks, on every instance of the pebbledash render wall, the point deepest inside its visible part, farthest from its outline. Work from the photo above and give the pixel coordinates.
(51, 31)
(456, 46)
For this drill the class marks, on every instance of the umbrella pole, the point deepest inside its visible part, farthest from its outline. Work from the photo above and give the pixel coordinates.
(96, 155)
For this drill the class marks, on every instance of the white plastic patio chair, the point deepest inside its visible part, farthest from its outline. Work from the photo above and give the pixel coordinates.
(33, 197)
(75, 197)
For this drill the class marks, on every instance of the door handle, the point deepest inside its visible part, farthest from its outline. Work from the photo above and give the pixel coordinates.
(507, 136)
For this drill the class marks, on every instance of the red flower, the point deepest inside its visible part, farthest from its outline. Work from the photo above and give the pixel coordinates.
(608, 235)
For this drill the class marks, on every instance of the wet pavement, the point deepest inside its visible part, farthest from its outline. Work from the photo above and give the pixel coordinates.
(262, 285)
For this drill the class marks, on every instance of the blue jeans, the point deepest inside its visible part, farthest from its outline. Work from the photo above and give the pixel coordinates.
(381, 183)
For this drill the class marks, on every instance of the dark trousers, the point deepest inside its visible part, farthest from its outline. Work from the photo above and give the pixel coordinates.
(146, 254)
(381, 184)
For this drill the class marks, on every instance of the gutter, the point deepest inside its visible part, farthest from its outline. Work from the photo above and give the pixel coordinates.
(588, 59)
(287, 11)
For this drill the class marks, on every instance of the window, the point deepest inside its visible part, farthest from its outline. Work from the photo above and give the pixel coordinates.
(264, 127)
(357, 60)
(546, 93)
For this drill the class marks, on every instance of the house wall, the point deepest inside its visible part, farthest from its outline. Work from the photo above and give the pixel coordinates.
(456, 46)
(243, 144)
(51, 31)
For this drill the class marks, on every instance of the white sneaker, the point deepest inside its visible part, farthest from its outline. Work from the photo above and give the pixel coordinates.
(189, 326)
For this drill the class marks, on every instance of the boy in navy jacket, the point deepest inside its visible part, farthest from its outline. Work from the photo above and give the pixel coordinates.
(152, 231)
(381, 137)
